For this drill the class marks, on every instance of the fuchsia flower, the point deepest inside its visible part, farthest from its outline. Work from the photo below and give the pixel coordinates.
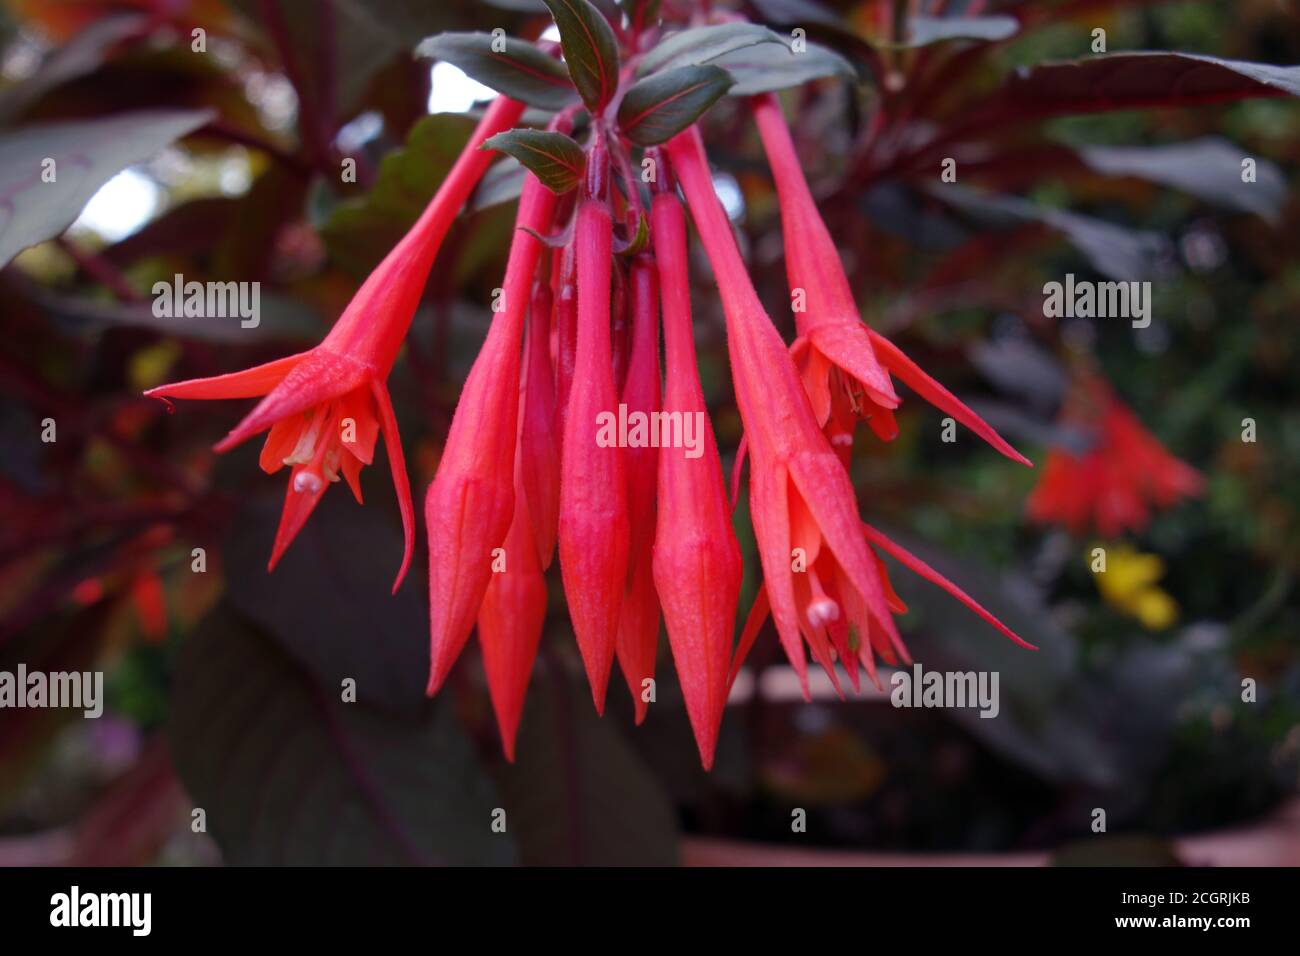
(638, 627)
(325, 407)
(1122, 477)
(594, 532)
(471, 503)
(800, 495)
(697, 564)
(824, 585)
(527, 469)
(510, 619)
(845, 364)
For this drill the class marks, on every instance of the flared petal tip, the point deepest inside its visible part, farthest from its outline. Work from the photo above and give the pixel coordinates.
(804, 688)
(299, 503)
(598, 694)
(509, 730)
(706, 741)
(277, 552)
(437, 677)
(397, 466)
(159, 394)
(915, 564)
(401, 572)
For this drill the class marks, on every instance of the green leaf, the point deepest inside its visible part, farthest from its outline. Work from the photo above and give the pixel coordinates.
(86, 154)
(590, 50)
(662, 105)
(578, 794)
(552, 157)
(288, 773)
(701, 45)
(767, 67)
(519, 69)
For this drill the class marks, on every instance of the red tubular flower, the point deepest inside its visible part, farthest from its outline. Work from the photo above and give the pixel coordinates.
(471, 502)
(540, 440)
(1119, 480)
(801, 498)
(510, 620)
(697, 563)
(325, 407)
(594, 532)
(841, 357)
(638, 630)
(800, 494)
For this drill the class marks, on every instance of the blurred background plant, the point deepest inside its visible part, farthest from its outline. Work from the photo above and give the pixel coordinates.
(223, 681)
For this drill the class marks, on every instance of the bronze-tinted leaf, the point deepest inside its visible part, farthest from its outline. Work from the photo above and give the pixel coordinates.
(48, 172)
(700, 45)
(1126, 81)
(553, 158)
(661, 106)
(767, 67)
(590, 50)
(510, 66)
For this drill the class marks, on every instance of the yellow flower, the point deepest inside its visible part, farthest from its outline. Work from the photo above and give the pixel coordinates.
(1128, 584)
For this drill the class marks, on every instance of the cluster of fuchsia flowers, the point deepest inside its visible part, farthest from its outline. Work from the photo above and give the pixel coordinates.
(598, 256)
